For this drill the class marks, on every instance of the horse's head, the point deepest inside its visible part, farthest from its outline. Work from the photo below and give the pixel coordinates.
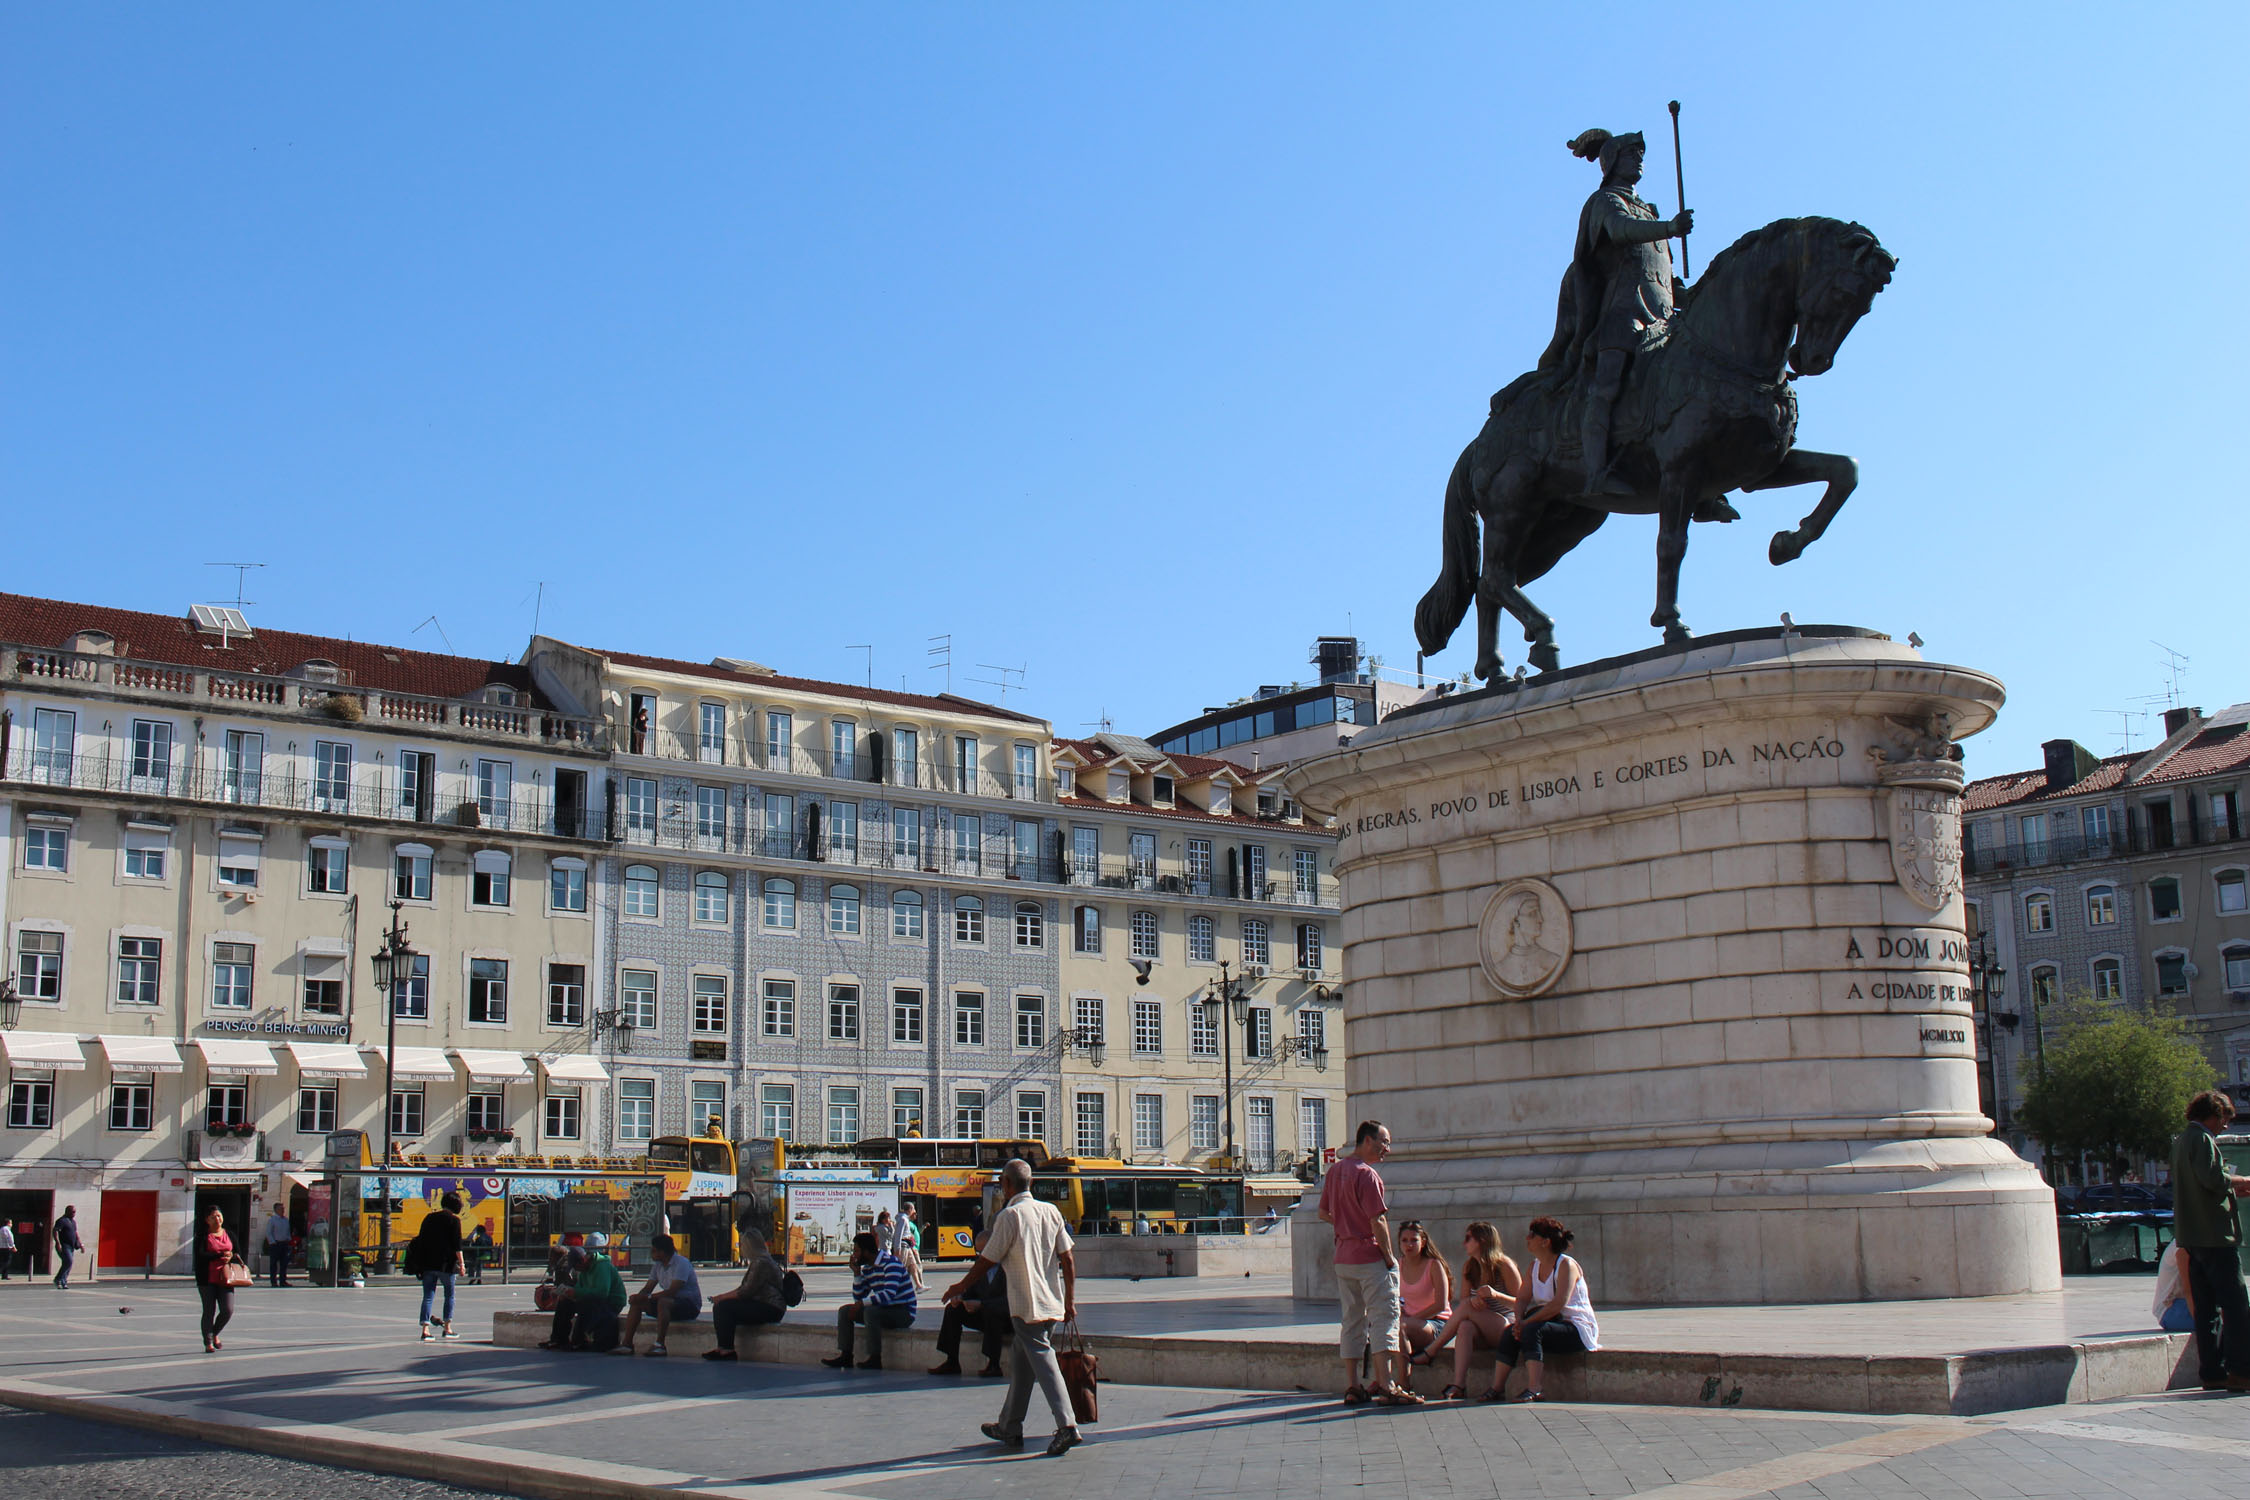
(1843, 268)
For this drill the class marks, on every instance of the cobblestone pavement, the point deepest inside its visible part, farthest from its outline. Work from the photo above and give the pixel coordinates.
(341, 1364)
(49, 1455)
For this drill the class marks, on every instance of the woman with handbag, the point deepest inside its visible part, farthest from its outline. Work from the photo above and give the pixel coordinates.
(434, 1254)
(217, 1274)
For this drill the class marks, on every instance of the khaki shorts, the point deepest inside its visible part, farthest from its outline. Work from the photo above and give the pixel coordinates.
(1370, 1294)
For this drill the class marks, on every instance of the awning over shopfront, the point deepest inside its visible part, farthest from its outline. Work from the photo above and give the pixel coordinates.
(142, 1054)
(493, 1067)
(421, 1062)
(300, 1179)
(55, 1051)
(234, 1055)
(327, 1060)
(575, 1068)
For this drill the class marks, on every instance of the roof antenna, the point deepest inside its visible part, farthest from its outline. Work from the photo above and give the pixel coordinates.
(941, 646)
(1101, 725)
(1001, 682)
(870, 650)
(537, 606)
(2175, 667)
(433, 620)
(241, 572)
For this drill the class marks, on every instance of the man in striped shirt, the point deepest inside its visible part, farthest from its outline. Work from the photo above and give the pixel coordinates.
(882, 1297)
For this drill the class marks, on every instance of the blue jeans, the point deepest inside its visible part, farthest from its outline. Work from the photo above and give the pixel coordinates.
(430, 1282)
(65, 1256)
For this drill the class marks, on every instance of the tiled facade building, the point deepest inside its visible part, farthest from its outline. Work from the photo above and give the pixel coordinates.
(2125, 879)
(204, 824)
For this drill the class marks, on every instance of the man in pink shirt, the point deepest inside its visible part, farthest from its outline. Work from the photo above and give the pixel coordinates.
(1351, 1200)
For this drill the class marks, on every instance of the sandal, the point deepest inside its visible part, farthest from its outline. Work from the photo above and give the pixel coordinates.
(1492, 1395)
(1522, 1396)
(1399, 1396)
(1454, 1393)
(1355, 1395)
(1419, 1357)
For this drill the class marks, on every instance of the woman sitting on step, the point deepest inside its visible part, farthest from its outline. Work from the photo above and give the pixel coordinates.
(1553, 1313)
(1425, 1290)
(1489, 1282)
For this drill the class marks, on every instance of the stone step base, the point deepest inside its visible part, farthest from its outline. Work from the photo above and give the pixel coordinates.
(1964, 1384)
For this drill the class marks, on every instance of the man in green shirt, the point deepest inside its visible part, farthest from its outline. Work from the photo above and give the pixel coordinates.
(2207, 1226)
(592, 1304)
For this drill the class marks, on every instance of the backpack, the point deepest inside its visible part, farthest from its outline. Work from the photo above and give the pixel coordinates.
(792, 1288)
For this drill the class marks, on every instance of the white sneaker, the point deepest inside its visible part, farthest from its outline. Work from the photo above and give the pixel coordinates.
(657, 1351)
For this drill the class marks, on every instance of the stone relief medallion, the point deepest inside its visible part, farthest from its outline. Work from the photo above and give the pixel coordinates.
(1926, 843)
(1524, 938)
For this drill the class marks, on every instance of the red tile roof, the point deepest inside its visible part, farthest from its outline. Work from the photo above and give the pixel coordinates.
(943, 702)
(2225, 748)
(2031, 786)
(2222, 745)
(174, 640)
(1096, 754)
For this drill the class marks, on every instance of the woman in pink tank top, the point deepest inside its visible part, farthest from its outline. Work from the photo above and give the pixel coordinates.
(1425, 1291)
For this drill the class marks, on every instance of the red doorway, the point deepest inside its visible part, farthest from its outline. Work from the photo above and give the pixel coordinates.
(128, 1233)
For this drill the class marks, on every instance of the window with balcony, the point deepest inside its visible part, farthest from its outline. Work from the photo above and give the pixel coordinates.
(1023, 857)
(781, 741)
(906, 914)
(712, 897)
(711, 816)
(1085, 855)
(643, 895)
(2032, 829)
(1027, 770)
(965, 762)
(843, 748)
(2095, 822)
(496, 793)
(906, 837)
(1202, 940)
(968, 843)
(242, 768)
(2159, 823)
(1254, 885)
(906, 757)
(968, 919)
(1199, 867)
(640, 809)
(906, 1016)
(332, 777)
(781, 826)
(781, 905)
(843, 832)
(1144, 938)
(779, 1015)
(1086, 930)
(711, 733)
(1312, 1127)
(843, 911)
(2101, 906)
(1304, 869)
(1142, 859)
(152, 756)
(1031, 925)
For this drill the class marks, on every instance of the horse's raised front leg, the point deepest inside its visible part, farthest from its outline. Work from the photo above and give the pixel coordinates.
(1803, 466)
(1675, 508)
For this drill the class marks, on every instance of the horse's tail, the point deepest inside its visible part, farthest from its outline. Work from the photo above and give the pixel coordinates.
(1439, 614)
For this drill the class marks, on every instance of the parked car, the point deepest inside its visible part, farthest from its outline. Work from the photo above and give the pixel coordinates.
(2123, 1198)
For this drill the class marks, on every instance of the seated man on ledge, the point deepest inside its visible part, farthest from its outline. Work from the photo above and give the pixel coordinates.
(672, 1293)
(586, 1312)
(882, 1297)
(985, 1308)
(759, 1298)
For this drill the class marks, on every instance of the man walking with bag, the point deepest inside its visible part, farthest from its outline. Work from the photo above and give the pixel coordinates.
(2206, 1225)
(1029, 1241)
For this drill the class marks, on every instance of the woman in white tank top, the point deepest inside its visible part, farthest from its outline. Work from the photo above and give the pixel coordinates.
(1553, 1313)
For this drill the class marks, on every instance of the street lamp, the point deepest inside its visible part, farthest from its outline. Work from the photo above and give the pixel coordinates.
(393, 964)
(1084, 1039)
(11, 1005)
(1234, 1001)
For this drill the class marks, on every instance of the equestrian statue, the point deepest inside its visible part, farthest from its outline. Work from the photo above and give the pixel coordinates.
(1652, 398)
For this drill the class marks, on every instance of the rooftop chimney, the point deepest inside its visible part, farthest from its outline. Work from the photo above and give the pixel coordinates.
(2068, 763)
(2177, 719)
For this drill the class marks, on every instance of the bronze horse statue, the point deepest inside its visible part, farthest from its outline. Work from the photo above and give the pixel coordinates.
(1709, 408)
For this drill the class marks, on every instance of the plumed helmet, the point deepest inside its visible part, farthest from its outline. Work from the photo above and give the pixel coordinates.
(1601, 146)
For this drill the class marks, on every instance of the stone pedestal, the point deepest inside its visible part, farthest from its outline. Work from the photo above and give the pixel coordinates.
(1670, 946)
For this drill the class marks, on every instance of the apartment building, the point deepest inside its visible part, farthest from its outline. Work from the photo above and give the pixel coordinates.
(829, 912)
(1183, 870)
(205, 823)
(1280, 724)
(2125, 879)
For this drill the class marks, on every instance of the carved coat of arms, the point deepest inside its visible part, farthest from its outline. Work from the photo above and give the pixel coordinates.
(1926, 843)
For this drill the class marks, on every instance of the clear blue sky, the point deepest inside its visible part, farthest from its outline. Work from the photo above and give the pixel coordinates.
(1129, 345)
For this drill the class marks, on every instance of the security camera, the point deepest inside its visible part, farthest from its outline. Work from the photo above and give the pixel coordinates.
(1141, 966)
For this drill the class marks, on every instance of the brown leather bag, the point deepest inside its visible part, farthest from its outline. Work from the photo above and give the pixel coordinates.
(1080, 1370)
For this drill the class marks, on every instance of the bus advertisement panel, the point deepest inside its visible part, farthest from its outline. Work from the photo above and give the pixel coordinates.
(823, 1216)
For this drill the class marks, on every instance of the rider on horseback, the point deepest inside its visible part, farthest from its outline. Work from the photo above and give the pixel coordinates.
(1619, 288)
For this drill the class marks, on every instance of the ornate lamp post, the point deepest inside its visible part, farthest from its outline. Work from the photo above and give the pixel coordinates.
(11, 1005)
(393, 964)
(1234, 1000)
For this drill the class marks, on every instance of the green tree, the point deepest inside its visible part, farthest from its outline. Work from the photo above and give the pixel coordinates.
(2116, 1083)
